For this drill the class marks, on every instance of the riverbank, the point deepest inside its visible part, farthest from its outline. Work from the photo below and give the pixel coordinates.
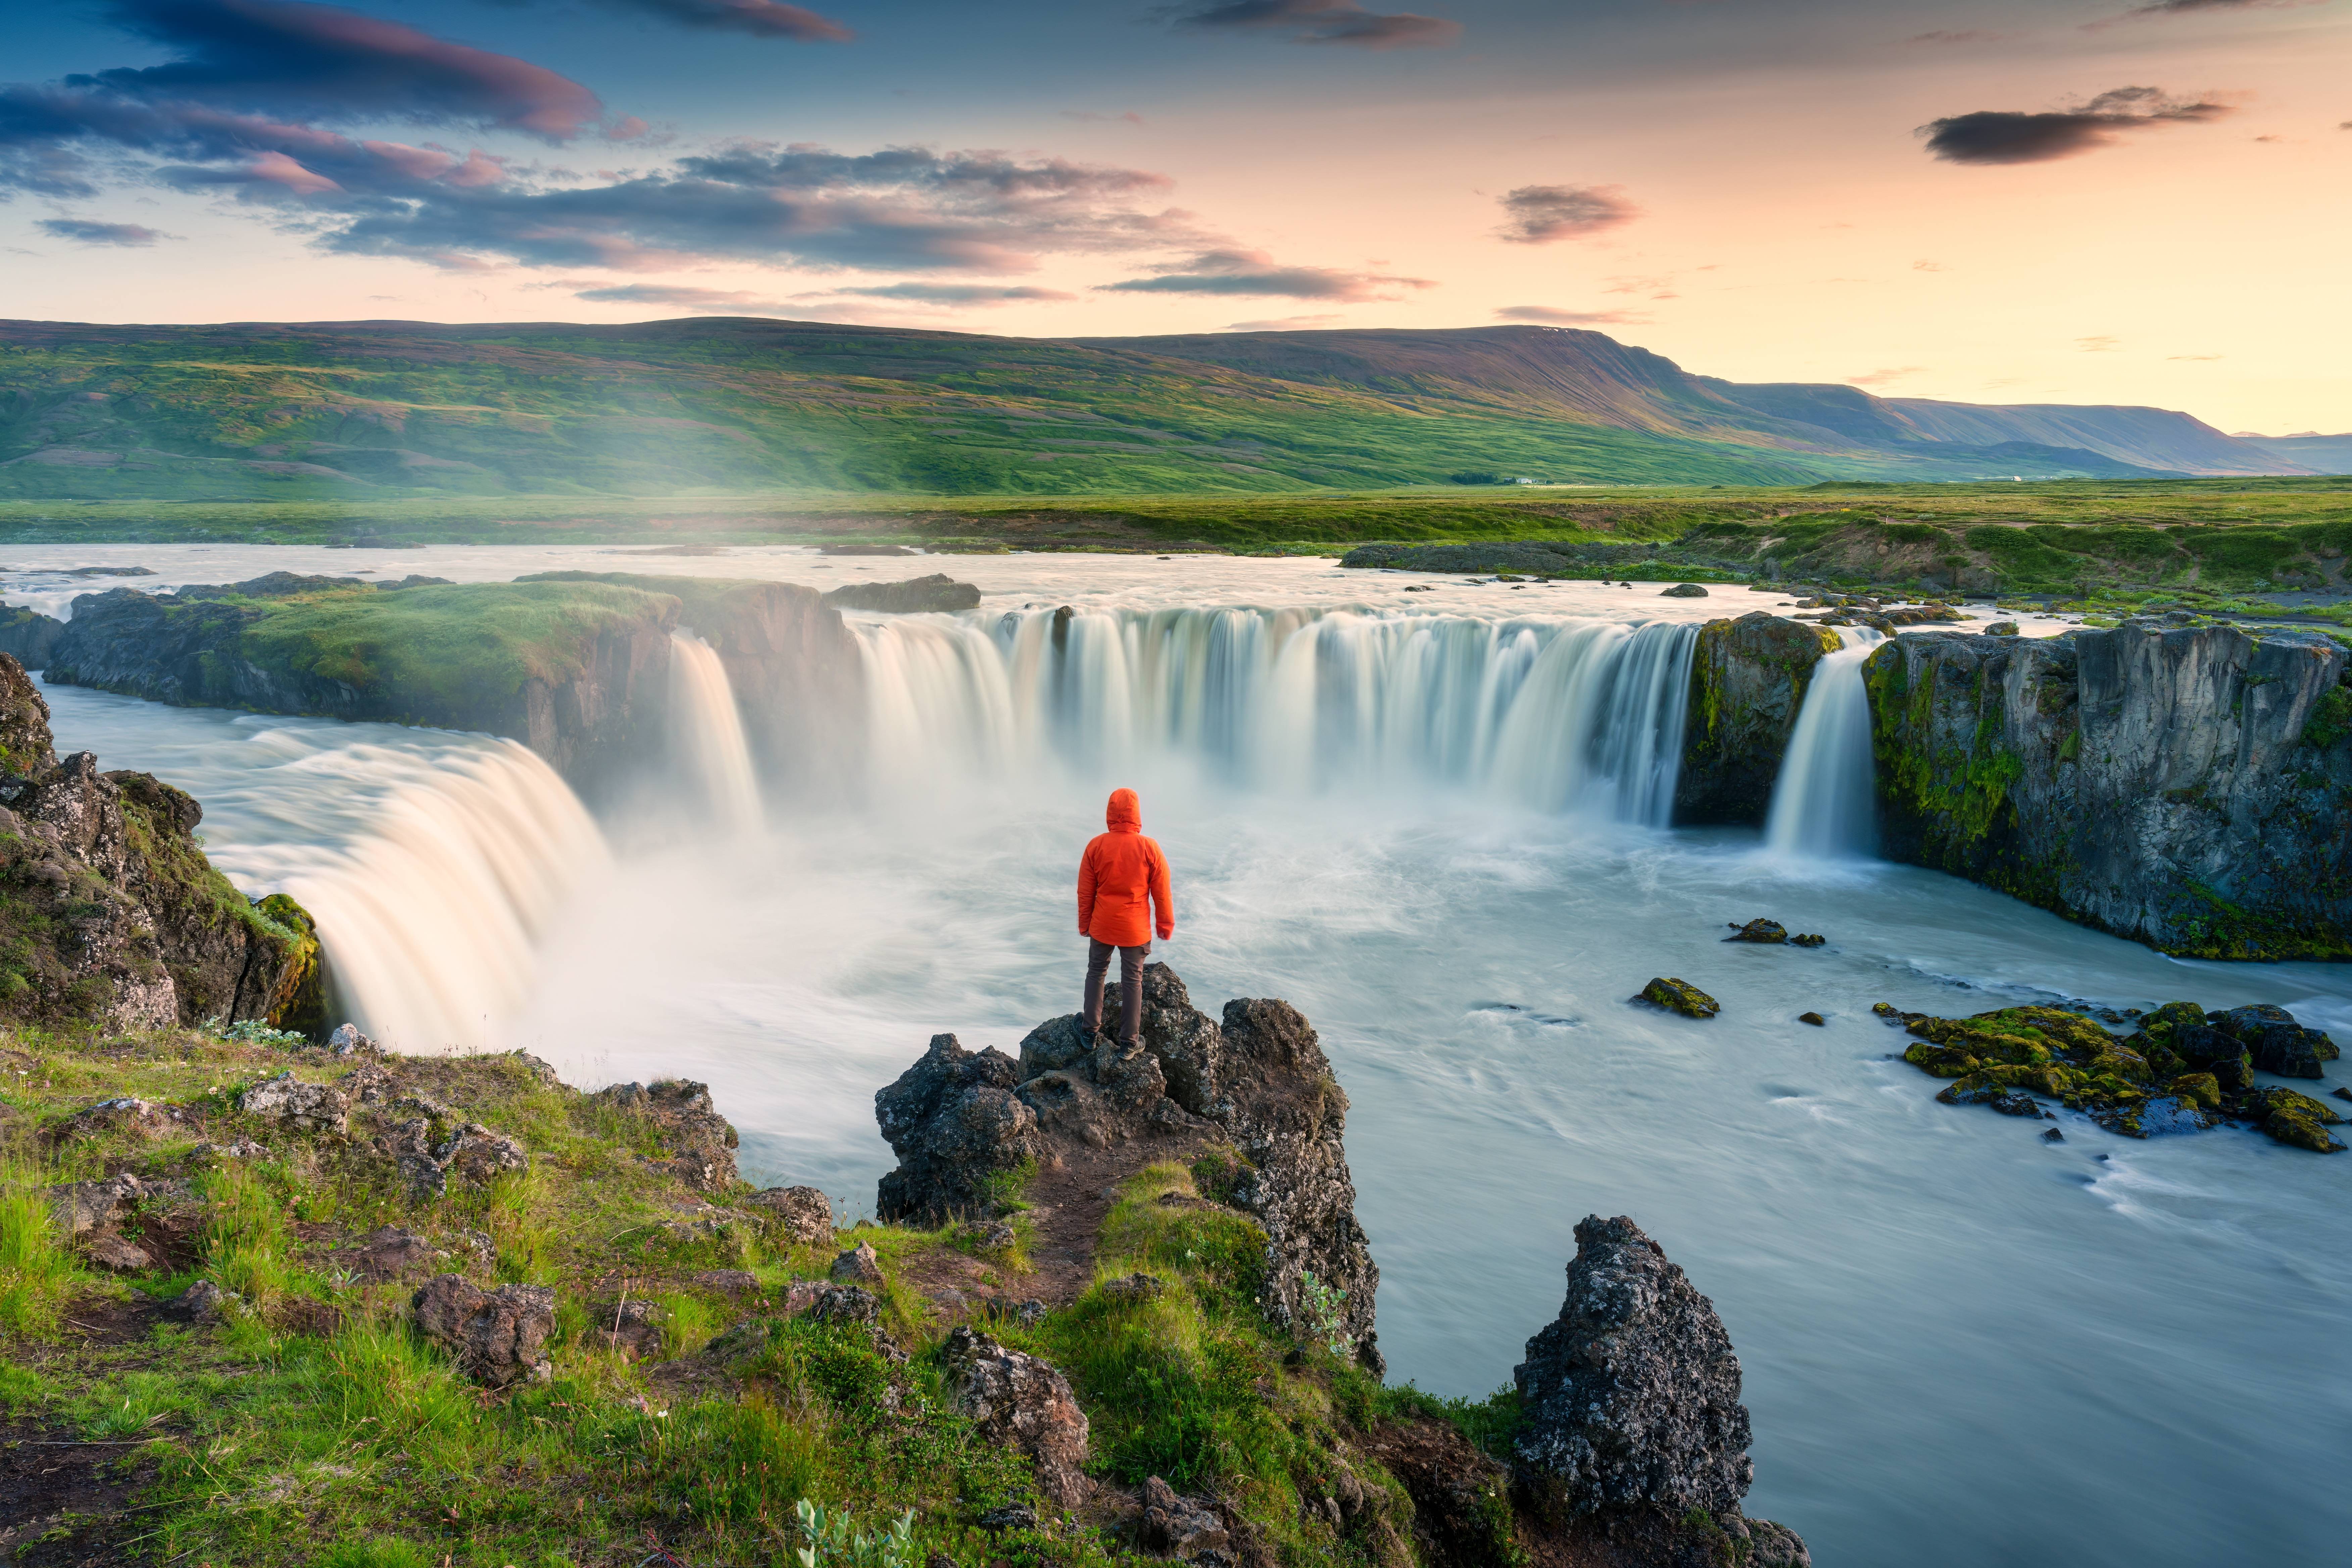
(274, 1302)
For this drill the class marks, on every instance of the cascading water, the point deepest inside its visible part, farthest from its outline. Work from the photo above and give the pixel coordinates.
(1575, 715)
(429, 920)
(1824, 805)
(708, 734)
(432, 861)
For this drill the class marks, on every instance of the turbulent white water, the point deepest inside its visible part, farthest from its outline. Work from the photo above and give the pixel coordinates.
(1824, 803)
(711, 755)
(1554, 715)
(1435, 834)
(432, 861)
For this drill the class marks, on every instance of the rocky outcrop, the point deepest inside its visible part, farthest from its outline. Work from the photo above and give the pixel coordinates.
(111, 913)
(1631, 1427)
(2182, 1070)
(1630, 1397)
(938, 591)
(498, 1336)
(803, 1215)
(697, 1142)
(575, 664)
(1254, 1087)
(1019, 1402)
(27, 635)
(2187, 787)
(1747, 684)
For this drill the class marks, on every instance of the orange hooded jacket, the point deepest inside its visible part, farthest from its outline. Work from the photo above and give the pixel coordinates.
(1120, 870)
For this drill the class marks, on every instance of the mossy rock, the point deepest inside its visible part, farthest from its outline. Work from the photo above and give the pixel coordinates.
(1680, 996)
(2202, 1087)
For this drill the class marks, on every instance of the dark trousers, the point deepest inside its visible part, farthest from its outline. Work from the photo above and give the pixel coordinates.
(1131, 988)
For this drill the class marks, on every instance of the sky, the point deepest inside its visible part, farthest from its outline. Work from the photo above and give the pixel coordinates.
(2072, 201)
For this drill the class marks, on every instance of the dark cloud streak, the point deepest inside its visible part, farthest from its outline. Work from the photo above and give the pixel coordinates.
(85, 231)
(1538, 215)
(1316, 22)
(2010, 136)
(1251, 274)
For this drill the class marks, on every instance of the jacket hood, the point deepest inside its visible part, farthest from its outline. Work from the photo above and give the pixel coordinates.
(1125, 812)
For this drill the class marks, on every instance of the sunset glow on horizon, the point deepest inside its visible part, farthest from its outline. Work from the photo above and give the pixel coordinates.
(1988, 201)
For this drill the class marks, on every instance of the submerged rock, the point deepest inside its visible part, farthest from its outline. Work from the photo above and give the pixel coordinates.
(1683, 591)
(1680, 996)
(2180, 1071)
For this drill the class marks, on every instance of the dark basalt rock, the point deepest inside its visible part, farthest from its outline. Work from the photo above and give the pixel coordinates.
(1632, 1397)
(2187, 787)
(1255, 1084)
(699, 1141)
(123, 921)
(954, 1123)
(500, 1336)
(27, 635)
(1749, 678)
(1759, 929)
(1683, 591)
(937, 593)
(803, 1214)
(1020, 1402)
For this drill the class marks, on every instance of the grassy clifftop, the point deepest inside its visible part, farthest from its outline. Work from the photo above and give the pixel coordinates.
(224, 1363)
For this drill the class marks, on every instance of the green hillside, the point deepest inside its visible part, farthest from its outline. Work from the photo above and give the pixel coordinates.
(373, 411)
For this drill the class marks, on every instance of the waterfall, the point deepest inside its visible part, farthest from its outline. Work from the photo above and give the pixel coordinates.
(429, 917)
(1556, 715)
(1824, 803)
(708, 734)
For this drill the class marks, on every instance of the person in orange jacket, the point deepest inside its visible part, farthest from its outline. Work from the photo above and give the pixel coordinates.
(1122, 883)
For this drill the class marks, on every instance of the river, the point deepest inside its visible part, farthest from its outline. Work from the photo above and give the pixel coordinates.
(1437, 835)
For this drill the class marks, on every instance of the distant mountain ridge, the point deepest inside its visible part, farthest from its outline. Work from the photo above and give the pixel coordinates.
(278, 410)
(2318, 454)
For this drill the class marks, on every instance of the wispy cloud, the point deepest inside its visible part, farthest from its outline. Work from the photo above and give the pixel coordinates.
(1253, 273)
(1130, 117)
(1946, 39)
(2012, 136)
(759, 18)
(1538, 215)
(710, 301)
(1548, 316)
(1285, 324)
(1316, 22)
(83, 231)
(1883, 377)
(2100, 344)
(2194, 8)
(956, 293)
